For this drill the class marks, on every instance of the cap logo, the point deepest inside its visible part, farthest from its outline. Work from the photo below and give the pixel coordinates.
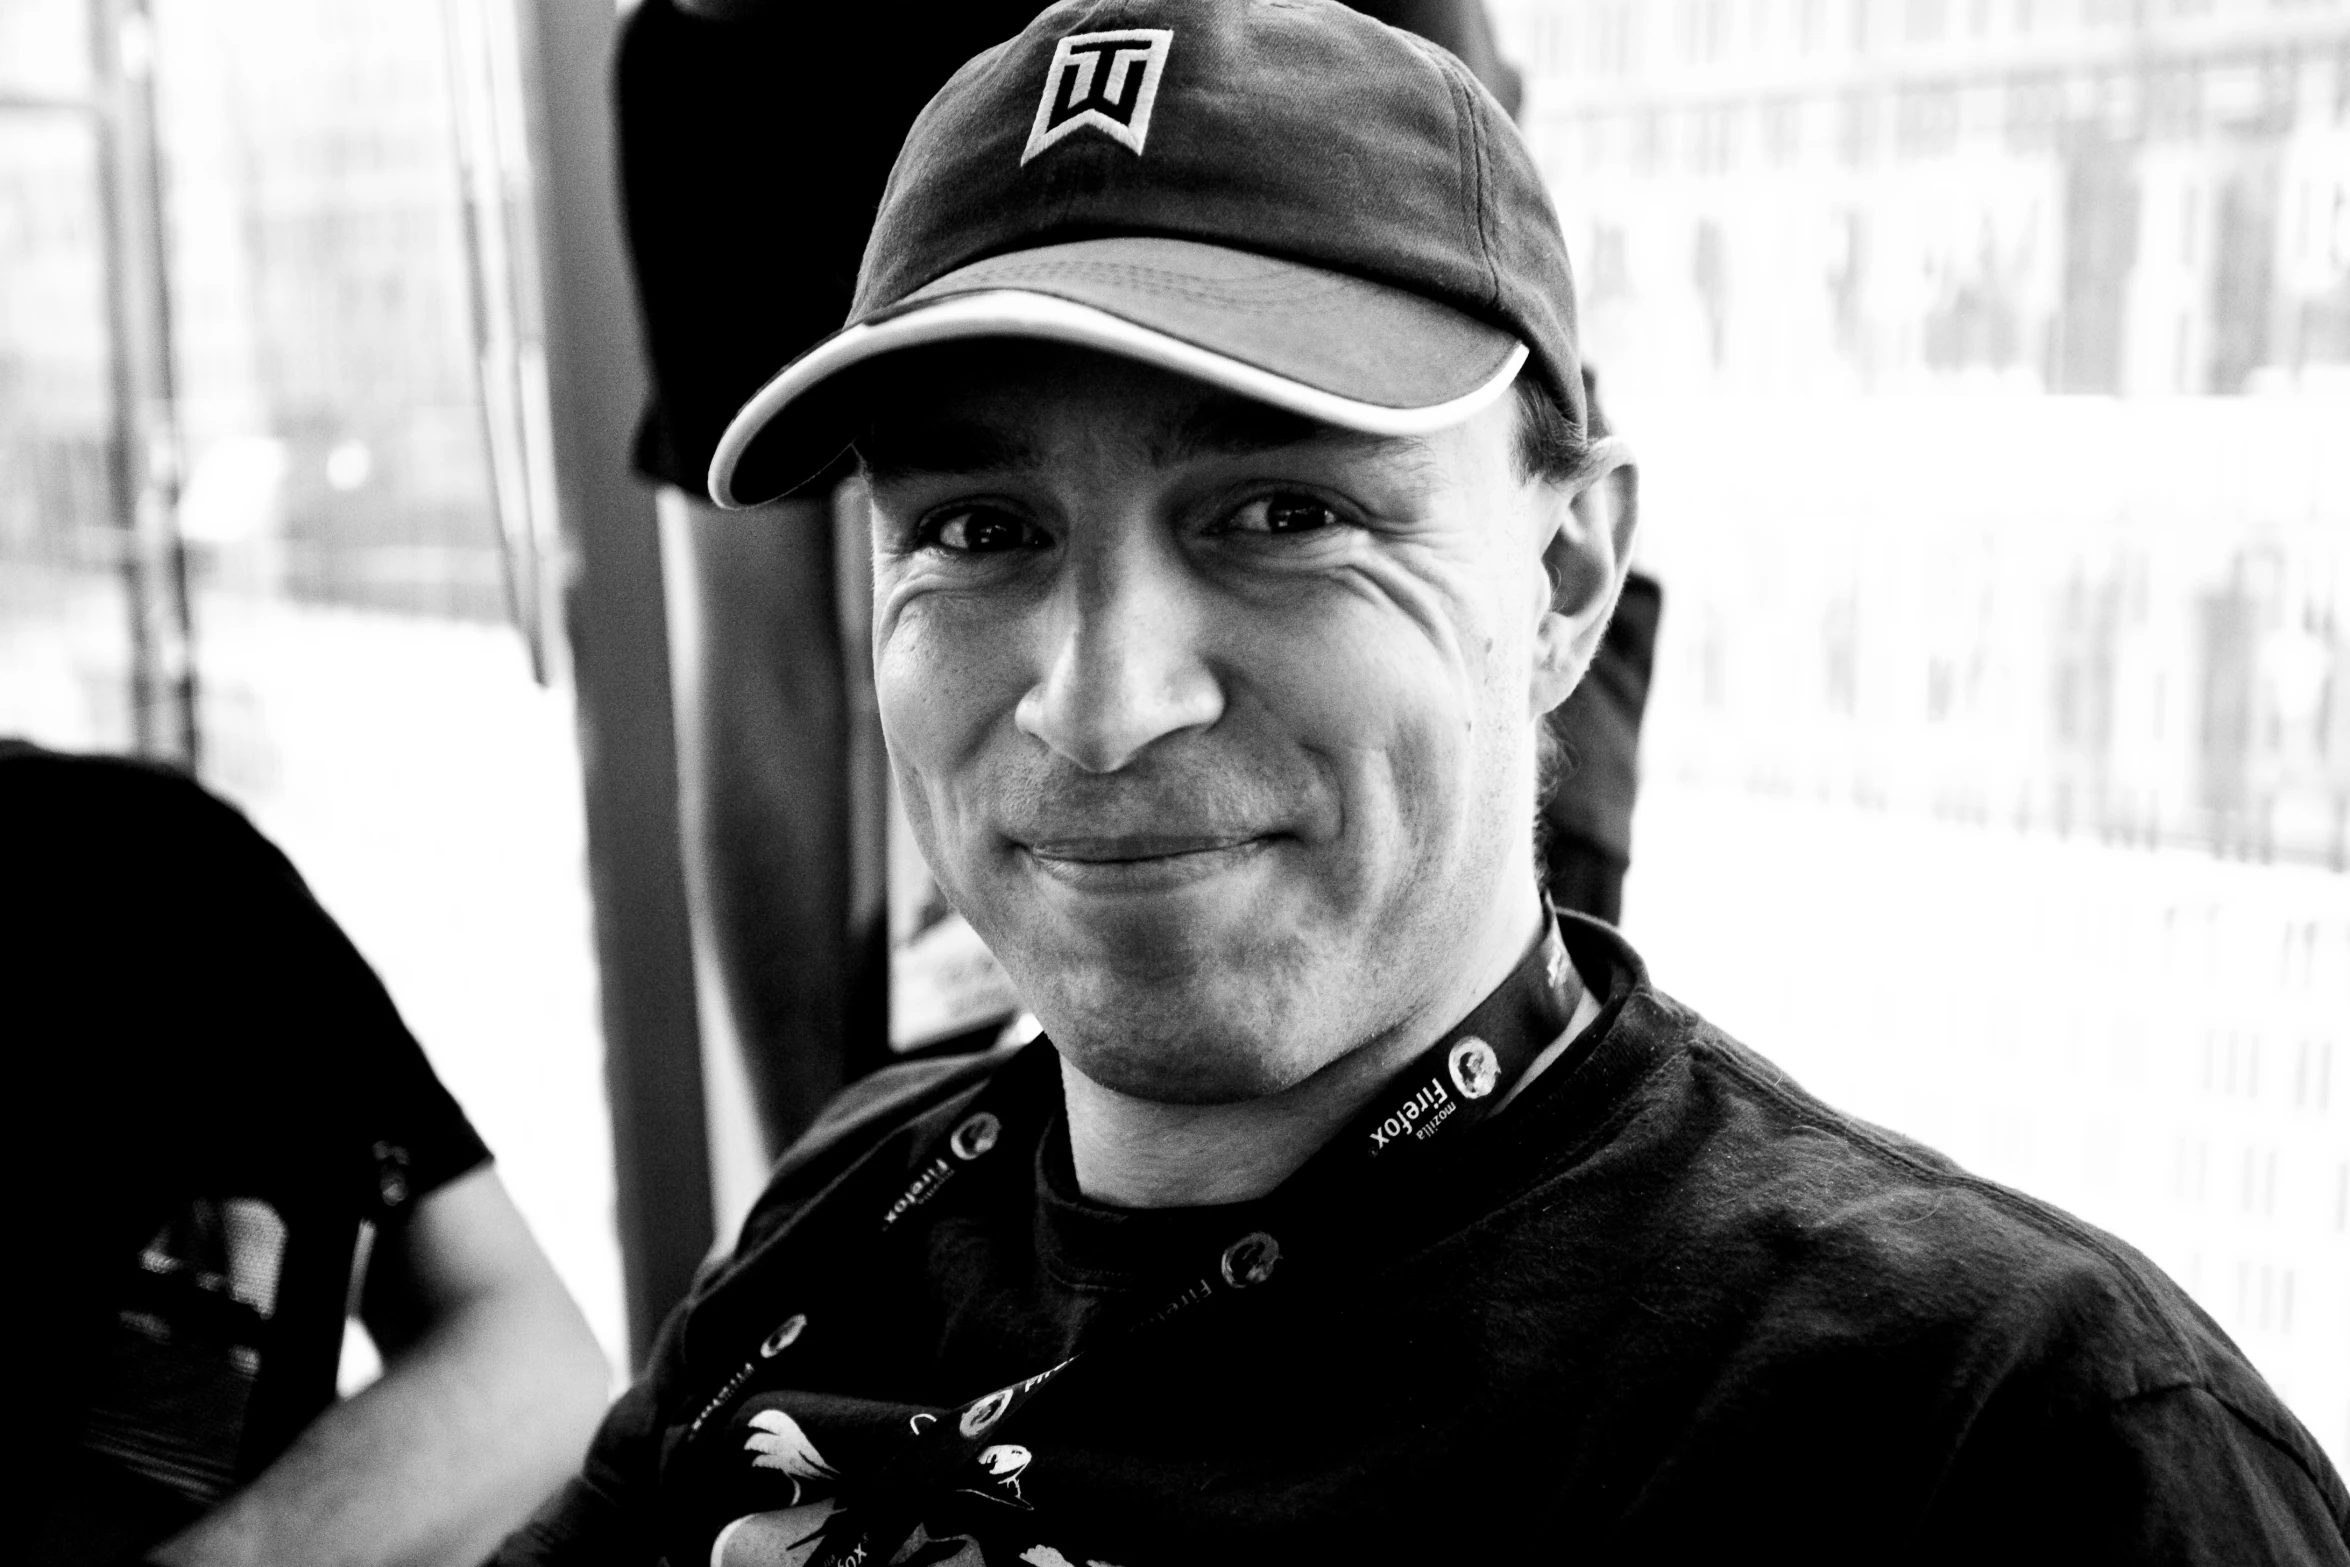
(1106, 80)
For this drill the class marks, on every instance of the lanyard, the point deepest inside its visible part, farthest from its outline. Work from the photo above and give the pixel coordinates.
(1430, 1106)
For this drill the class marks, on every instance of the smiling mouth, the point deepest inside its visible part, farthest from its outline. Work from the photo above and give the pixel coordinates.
(1142, 862)
(1138, 846)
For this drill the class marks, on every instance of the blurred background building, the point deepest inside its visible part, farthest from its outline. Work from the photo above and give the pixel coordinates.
(1990, 365)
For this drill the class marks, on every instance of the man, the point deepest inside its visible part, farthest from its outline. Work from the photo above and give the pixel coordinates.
(729, 289)
(218, 1101)
(1236, 521)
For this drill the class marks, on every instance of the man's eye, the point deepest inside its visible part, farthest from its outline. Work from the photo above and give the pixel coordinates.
(1283, 514)
(978, 530)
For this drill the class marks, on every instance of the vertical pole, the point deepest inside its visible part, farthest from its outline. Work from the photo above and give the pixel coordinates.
(146, 455)
(620, 663)
(865, 1034)
(487, 284)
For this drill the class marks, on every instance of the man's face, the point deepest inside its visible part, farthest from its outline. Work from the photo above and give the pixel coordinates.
(1218, 725)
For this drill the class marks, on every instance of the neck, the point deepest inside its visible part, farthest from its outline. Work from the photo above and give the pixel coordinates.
(1141, 1153)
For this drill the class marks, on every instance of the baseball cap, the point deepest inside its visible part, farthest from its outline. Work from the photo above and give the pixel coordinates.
(1282, 198)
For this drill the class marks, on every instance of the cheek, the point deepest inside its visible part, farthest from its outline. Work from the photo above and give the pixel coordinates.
(944, 681)
(1383, 700)
(1437, 688)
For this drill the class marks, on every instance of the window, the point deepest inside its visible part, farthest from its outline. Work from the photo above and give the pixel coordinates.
(314, 568)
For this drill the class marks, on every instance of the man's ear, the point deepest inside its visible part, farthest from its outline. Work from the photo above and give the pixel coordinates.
(1589, 551)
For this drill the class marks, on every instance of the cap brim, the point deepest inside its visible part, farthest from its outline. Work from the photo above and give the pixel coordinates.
(1334, 348)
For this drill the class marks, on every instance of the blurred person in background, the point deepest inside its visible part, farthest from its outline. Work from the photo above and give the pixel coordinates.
(1237, 520)
(222, 1133)
(744, 259)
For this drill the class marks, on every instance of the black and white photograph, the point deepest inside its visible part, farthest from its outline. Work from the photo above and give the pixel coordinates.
(1153, 783)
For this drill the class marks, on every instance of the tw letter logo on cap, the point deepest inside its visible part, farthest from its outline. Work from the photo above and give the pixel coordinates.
(1106, 80)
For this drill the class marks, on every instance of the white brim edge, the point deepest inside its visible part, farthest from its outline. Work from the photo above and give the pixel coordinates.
(1019, 313)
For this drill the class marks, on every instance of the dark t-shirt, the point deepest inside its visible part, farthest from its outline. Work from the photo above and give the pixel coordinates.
(213, 1093)
(1665, 1307)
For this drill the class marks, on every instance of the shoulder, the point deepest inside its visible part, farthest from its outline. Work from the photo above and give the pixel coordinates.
(1833, 1232)
(2186, 1473)
(1804, 1270)
(141, 845)
(78, 803)
(1831, 1196)
(875, 1104)
(858, 1120)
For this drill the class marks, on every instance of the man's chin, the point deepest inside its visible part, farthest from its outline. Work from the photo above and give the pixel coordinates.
(1195, 1070)
(1190, 993)
(1155, 928)
(1219, 1034)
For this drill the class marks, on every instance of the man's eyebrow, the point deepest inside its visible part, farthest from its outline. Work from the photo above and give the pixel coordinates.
(937, 446)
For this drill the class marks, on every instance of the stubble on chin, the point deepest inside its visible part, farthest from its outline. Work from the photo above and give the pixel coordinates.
(1221, 1037)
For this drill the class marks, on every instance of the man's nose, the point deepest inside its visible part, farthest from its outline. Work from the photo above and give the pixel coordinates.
(1125, 665)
